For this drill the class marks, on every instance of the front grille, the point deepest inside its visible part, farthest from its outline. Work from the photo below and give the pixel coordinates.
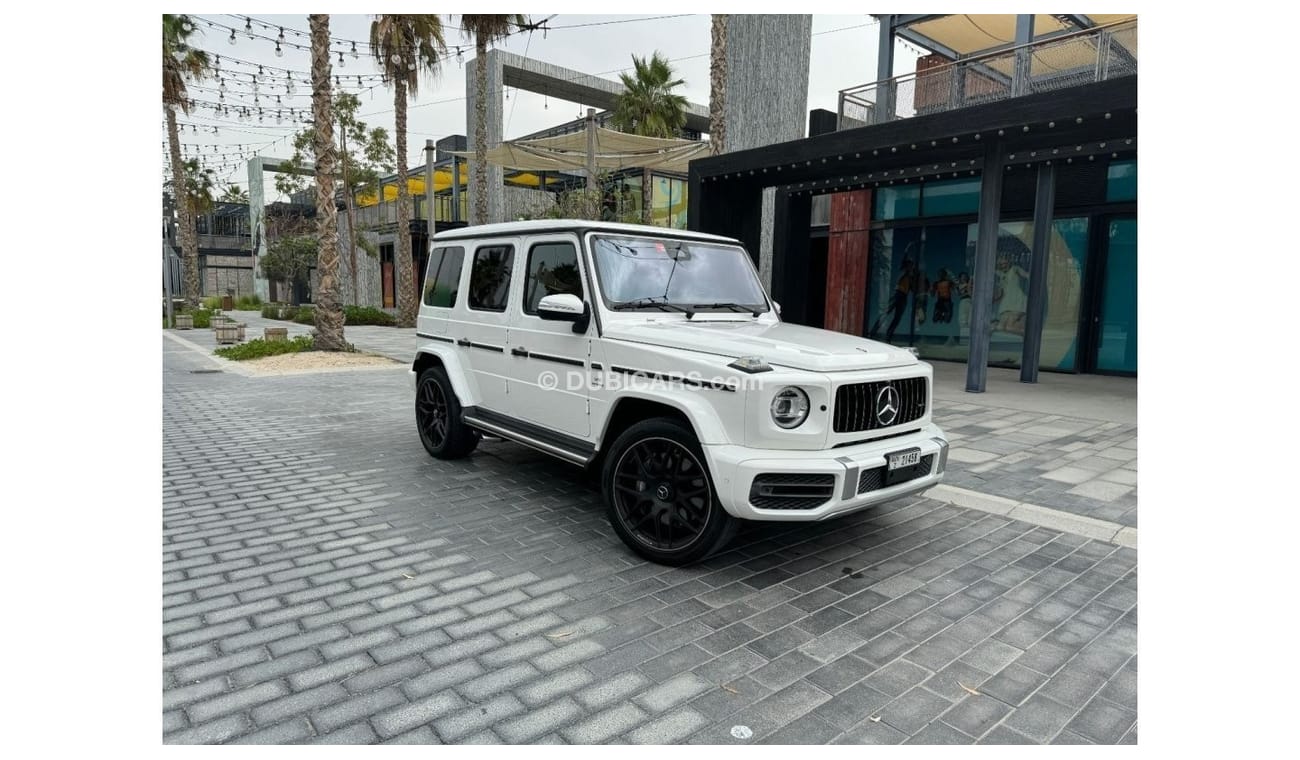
(874, 479)
(855, 405)
(787, 490)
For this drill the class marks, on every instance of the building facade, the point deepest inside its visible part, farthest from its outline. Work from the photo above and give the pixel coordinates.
(982, 210)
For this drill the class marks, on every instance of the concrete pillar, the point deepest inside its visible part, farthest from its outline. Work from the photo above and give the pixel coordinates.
(430, 156)
(1044, 200)
(257, 226)
(767, 78)
(986, 253)
(767, 217)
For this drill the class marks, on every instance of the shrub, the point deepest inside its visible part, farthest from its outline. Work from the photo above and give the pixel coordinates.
(368, 315)
(212, 303)
(304, 315)
(248, 303)
(202, 318)
(258, 348)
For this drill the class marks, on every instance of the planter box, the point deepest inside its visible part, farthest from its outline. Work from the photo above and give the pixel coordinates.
(184, 321)
(219, 320)
(277, 334)
(241, 327)
(227, 333)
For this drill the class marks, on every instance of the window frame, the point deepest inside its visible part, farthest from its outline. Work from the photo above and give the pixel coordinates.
(533, 244)
(469, 293)
(432, 273)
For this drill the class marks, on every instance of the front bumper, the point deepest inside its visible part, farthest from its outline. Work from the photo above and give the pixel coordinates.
(853, 468)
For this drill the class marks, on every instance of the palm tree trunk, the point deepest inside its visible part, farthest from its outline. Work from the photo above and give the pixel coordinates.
(718, 84)
(646, 195)
(352, 217)
(328, 313)
(185, 215)
(406, 303)
(480, 215)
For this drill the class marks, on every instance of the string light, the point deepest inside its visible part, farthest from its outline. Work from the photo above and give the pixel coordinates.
(354, 51)
(281, 37)
(248, 27)
(232, 36)
(278, 52)
(342, 63)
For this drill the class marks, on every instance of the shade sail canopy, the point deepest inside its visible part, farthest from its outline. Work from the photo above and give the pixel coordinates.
(973, 33)
(442, 182)
(614, 150)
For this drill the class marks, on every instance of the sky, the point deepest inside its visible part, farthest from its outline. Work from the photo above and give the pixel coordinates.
(843, 55)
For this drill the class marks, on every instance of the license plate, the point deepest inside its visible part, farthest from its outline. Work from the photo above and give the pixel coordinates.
(901, 459)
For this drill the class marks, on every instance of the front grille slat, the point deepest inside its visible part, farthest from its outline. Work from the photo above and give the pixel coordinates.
(855, 404)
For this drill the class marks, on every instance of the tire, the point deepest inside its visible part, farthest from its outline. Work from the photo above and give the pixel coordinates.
(659, 494)
(437, 417)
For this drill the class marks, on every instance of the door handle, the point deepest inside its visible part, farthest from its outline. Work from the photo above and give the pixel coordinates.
(463, 342)
(519, 351)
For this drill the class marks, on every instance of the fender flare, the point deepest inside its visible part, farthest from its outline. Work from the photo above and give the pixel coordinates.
(455, 370)
(702, 416)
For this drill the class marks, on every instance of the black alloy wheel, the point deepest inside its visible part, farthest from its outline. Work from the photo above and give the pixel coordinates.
(437, 417)
(660, 495)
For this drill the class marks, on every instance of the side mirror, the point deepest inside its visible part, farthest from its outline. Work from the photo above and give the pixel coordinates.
(565, 307)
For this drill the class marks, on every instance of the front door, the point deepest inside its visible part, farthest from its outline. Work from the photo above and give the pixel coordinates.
(386, 275)
(548, 360)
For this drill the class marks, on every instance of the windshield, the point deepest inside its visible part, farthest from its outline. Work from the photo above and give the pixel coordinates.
(658, 274)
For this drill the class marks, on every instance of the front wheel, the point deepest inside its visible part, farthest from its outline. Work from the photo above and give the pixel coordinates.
(437, 417)
(660, 496)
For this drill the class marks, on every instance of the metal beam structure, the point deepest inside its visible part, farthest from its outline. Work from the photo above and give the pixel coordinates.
(1024, 35)
(257, 166)
(1044, 202)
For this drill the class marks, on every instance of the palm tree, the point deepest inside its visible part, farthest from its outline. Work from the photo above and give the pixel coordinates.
(198, 187)
(328, 312)
(179, 63)
(403, 44)
(234, 194)
(718, 84)
(649, 107)
(484, 29)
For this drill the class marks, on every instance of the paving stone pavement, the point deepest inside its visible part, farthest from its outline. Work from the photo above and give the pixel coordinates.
(324, 580)
(1081, 466)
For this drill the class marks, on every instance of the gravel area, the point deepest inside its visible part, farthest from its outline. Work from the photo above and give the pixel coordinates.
(317, 361)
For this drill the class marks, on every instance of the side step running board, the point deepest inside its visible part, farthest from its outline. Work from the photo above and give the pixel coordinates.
(569, 455)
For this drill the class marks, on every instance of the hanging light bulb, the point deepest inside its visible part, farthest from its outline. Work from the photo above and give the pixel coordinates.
(259, 116)
(277, 100)
(278, 52)
(396, 59)
(256, 100)
(342, 63)
(222, 84)
(354, 51)
(259, 70)
(281, 37)
(359, 80)
(411, 66)
(221, 96)
(460, 56)
(278, 118)
(215, 132)
(248, 27)
(254, 84)
(232, 36)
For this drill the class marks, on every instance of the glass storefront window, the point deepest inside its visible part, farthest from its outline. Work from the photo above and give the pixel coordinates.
(951, 196)
(1117, 346)
(1122, 181)
(668, 198)
(1067, 252)
(897, 202)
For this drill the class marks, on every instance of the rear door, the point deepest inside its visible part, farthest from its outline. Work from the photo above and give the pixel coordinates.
(482, 337)
(548, 361)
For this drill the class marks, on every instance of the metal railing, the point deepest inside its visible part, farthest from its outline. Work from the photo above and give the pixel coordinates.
(1089, 55)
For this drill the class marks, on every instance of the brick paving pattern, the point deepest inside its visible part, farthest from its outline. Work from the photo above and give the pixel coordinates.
(325, 581)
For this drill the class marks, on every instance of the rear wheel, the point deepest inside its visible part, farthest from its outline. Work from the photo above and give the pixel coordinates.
(660, 496)
(437, 417)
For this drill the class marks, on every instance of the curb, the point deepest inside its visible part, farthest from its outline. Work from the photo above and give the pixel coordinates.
(1044, 517)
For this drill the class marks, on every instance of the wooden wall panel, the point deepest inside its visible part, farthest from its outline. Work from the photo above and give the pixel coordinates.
(846, 261)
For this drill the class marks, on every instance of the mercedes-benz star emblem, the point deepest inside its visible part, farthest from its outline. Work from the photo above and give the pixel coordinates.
(887, 406)
(662, 492)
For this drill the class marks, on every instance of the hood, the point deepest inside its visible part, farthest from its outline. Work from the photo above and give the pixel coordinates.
(780, 343)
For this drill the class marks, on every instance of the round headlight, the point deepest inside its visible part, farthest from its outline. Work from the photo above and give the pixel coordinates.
(789, 407)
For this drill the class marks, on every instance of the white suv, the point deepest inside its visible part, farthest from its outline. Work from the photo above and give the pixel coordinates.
(656, 356)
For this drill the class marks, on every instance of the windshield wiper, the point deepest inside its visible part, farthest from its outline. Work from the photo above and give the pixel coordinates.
(657, 301)
(728, 305)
